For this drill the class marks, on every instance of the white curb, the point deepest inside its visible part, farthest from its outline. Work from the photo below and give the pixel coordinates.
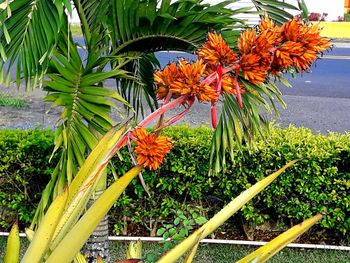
(218, 241)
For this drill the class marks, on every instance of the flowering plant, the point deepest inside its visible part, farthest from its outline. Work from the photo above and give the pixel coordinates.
(219, 72)
(262, 53)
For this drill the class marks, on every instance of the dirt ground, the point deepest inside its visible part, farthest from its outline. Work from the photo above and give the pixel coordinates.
(38, 113)
(30, 116)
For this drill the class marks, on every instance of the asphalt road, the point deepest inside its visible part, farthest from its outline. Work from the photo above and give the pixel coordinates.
(319, 100)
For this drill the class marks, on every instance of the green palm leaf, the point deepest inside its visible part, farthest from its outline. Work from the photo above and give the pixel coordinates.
(140, 94)
(145, 27)
(182, 25)
(240, 126)
(28, 34)
(76, 86)
(277, 10)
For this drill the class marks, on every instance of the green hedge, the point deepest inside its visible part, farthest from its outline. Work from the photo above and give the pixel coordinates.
(319, 183)
(24, 171)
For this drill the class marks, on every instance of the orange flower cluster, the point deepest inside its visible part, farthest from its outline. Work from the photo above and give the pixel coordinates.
(229, 83)
(299, 46)
(184, 79)
(216, 52)
(150, 148)
(270, 49)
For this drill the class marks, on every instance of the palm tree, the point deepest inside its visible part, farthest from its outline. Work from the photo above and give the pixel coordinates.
(120, 38)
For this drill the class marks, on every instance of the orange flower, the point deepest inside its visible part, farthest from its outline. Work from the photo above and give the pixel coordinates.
(302, 43)
(266, 23)
(246, 41)
(229, 85)
(256, 52)
(216, 52)
(190, 82)
(312, 39)
(164, 78)
(307, 34)
(269, 31)
(253, 70)
(284, 55)
(303, 62)
(292, 30)
(150, 148)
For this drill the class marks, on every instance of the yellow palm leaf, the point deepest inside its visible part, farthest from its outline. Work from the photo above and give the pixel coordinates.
(267, 251)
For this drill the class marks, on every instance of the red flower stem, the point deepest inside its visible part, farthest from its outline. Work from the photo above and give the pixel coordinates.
(178, 116)
(239, 96)
(213, 76)
(213, 114)
(210, 79)
(219, 78)
(230, 68)
(162, 109)
(167, 98)
(161, 117)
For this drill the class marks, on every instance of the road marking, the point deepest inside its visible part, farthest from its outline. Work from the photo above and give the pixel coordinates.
(335, 57)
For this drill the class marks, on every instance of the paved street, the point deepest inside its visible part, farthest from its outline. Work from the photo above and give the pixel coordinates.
(319, 100)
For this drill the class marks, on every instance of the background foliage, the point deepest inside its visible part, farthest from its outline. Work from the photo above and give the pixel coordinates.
(320, 182)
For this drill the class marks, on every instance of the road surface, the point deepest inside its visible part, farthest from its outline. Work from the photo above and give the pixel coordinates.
(319, 100)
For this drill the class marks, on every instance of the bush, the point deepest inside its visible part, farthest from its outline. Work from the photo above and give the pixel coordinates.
(319, 183)
(24, 172)
(317, 16)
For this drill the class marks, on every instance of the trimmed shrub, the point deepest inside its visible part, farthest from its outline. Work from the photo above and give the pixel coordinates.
(24, 172)
(320, 182)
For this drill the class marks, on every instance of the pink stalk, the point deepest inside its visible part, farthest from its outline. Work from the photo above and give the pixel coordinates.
(168, 97)
(219, 79)
(213, 76)
(178, 116)
(163, 109)
(230, 68)
(219, 74)
(152, 116)
(210, 79)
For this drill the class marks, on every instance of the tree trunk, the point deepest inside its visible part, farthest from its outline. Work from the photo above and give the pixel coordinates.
(97, 244)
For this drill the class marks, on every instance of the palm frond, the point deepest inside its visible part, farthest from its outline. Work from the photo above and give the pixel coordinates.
(28, 34)
(181, 25)
(140, 94)
(277, 10)
(93, 16)
(238, 126)
(147, 26)
(75, 86)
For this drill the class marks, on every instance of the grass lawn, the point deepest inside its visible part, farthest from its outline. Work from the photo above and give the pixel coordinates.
(228, 253)
(13, 102)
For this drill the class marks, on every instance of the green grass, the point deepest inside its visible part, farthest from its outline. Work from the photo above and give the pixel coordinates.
(13, 102)
(226, 253)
